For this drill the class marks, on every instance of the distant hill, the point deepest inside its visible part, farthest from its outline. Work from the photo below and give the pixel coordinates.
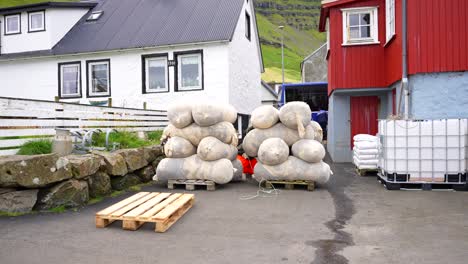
(8, 3)
(300, 18)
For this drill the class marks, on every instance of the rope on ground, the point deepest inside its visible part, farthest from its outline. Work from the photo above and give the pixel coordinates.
(262, 192)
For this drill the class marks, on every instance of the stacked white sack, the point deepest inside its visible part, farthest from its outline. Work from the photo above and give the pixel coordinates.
(201, 144)
(366, 151)
(274, 132)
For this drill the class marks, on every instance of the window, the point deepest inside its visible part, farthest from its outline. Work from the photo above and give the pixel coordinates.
(189, 71)
(360, 26)
(327, 28)
(155, 73)
(36, 21)
(247, 26)
(94, 16)
(390, 19)
(70, 80)
(13, 24)
(98, 78)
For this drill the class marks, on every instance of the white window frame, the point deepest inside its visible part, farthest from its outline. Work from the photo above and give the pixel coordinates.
(327, 28)
(389, 19)
(89, 65)
(30, 29)
(179, 71)
(248, 26)
(374, 26)
(62, 66)
(10, 32)
(95, 15)
(147, 76)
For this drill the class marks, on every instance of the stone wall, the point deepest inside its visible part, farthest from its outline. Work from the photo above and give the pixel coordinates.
(42, 182)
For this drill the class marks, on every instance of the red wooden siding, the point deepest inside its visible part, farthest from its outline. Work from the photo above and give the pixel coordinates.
(360, 66)
(364, 115)
(437, 42)
(437, 36)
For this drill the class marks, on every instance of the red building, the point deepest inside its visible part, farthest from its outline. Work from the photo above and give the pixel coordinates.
(383, 62)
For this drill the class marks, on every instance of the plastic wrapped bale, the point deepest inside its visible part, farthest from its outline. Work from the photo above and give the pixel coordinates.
(296, 115)
(273, 151)
(211, 148)
(194, 133)
(180, 114)
(177, 147)
(194, 168)
(308, 150)
(292, 170)
(255, 138)
(318, 131)
(264, 117)
(238, 170)
(207, 114)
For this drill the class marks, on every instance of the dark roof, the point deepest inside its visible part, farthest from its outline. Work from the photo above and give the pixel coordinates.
(44, 5)
(268, 88)
(127, 24)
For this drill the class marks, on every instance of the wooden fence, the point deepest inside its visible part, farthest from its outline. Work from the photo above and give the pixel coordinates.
(22, 120)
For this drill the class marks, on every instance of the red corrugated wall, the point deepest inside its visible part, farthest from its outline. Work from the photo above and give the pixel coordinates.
(437, 35)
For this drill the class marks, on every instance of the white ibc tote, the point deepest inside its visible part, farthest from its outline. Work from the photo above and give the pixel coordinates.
(426, 150)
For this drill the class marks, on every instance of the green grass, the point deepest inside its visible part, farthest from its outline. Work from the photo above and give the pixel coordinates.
(95, 200)
(8, 3)
(11, 214)
(58, 209)
(126, 139)
(155, 136)
(36, 147)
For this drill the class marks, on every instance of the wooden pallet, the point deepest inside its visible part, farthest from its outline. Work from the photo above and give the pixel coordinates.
(366, 172)
(163, 209)
(190, 184)
(425, 186)
(290, 185)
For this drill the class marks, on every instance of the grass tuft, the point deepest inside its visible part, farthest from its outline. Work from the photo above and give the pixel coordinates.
(10, 214)
(36, 147)
(58, 209)
(125, 139)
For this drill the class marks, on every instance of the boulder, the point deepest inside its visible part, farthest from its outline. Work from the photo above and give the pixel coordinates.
(71, 193)
(146, 174)
(134, 158)
(152, 152)
(157, 161)
(6, 190)
(84, 165)
(124, 182)
(99, 184)
(18, 201)
(115, 163)
(33, 171)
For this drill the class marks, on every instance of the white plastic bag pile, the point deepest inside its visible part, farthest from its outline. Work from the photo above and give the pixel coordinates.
(366, 151)
(275, 132)
(201, 143)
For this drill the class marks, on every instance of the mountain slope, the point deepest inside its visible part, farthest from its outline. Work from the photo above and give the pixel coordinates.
(300, 18)
(8, 3)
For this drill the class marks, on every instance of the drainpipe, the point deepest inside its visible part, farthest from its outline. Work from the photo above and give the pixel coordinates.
(404, 79)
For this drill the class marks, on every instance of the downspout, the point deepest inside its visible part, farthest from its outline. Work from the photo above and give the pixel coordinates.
(404, 58)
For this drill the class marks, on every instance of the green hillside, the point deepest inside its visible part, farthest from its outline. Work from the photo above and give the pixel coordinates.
(300, 18)
(8, 3)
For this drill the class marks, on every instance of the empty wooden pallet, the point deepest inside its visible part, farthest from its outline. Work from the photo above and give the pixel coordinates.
(190, 184)
(163, 209)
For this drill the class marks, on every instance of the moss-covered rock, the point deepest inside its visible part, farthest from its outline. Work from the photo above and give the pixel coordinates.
(18, 201)
(122, 183)
(146, 174)
(115, 163)
(71, 193)
(134, 158)
(84, 165)
(99, 184)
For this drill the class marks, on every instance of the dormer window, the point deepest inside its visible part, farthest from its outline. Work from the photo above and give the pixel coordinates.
(360, 26)
(36, 21)
(94, 16)
(13, 24)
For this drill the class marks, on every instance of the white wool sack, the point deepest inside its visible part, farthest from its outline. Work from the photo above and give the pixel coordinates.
(365, 137)
(210, 113)
(255, 137)
(180, 114)
(308, 150)
(366, 145)
(273, 151)
(264, 117)
(366, 157)
(318, 131)
(193, 168)
(359, 162)
(296, 115)
(177, 147)
(194, 133)
(238, 170)
(365, 151)
(293, 169)
(211, 148)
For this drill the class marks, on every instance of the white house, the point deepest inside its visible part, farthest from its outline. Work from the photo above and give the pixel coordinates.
(135, 52)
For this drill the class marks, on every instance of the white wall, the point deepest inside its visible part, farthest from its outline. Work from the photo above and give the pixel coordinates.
(38, 78)
(57, 22)
(244, 66)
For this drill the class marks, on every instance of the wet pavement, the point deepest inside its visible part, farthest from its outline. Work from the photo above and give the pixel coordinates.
(351, 219)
